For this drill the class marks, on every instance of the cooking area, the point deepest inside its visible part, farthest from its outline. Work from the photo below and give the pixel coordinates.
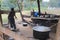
(36, 23)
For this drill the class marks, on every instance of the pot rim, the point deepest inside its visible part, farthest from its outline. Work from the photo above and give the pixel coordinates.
(41, 28)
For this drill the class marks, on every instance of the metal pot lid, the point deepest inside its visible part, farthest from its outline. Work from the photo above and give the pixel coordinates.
(41, 28)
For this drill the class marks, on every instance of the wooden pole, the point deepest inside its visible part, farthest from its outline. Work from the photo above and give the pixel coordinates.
(1, 19)
(1, 16)
(38, 2)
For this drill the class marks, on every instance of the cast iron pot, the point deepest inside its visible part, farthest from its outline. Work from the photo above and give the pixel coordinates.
(41, 32)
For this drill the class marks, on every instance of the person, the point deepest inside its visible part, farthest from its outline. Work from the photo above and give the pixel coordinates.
(36, 14)
(11, 19)
(33, 13)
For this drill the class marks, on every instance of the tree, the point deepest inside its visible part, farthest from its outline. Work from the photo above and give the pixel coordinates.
(22, 4)
(38, 3)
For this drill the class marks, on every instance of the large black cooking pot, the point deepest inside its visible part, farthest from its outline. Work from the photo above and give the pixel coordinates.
(41, 32)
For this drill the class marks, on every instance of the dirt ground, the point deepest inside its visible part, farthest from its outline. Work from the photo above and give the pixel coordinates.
(27, 31)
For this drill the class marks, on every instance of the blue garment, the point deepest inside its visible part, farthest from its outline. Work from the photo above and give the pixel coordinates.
(36, 14)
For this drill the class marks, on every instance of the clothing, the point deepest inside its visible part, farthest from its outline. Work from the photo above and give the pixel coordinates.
(11, 14)
(35, 14)
(11, 19)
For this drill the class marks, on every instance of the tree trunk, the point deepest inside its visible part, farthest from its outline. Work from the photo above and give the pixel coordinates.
(22, 5)
(20, 10)
(38, 2)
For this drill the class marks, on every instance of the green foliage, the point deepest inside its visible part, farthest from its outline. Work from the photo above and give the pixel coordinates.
(7, 4)
(0, 3)
(54, 3)
(28, 4)
(12, 3)
(32, 0)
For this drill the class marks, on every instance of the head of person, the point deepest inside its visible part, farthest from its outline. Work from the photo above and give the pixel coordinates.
(12, 9)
